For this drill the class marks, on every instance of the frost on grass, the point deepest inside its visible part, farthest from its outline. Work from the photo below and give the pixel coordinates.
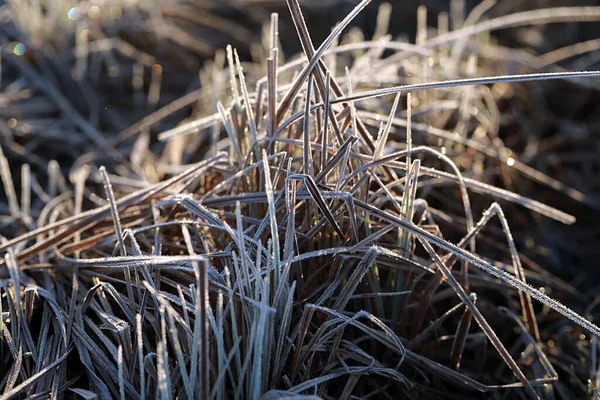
(309, 235)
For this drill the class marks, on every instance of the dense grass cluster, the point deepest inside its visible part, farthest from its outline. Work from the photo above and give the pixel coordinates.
(330, 226)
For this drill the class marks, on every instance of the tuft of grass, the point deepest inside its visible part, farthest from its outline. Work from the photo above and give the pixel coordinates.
(295, 237)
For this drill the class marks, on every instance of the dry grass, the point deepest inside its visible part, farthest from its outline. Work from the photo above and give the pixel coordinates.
(332, 226)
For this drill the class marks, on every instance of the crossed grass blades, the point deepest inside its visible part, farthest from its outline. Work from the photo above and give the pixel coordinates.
(304, 256)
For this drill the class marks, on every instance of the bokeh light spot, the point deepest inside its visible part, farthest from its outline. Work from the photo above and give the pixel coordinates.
(94, 12)
(74, 14)
(156, 69)
(19, 49)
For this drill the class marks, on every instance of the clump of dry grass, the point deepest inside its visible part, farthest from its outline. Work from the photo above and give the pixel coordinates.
(308, 236)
